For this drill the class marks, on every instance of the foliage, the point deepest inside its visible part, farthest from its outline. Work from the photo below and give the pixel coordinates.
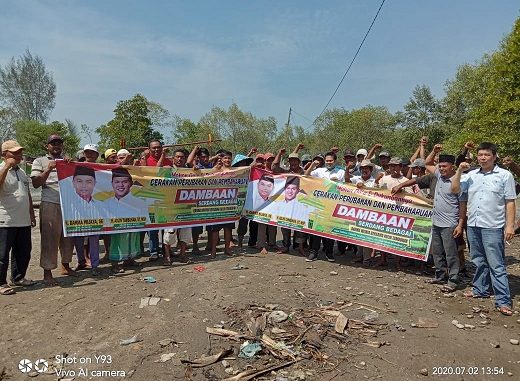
(32, 135)
(28, 88)
(132, 122)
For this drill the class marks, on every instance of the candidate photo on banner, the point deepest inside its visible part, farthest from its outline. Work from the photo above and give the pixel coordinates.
(259, 192)
(286, 205)
(78, 195)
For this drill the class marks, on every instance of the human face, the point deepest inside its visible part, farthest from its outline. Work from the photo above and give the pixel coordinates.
(112, 159)
(124, 159)
(269, 162)
(446, 169)
(265, 188)
(291, 191)
(203, 158)
(226, 161)
(366, 172)
(350, 161)
(294, 164)
(90, 156)
(404, 170)
(418, 171)
(156, 150)
(395, 170)
(486, 159)
(55, 148)
(360, 158)
(16, 155)
(330, 163)
(383, 160)
(179, 160)
(121, 186)
(84, 186)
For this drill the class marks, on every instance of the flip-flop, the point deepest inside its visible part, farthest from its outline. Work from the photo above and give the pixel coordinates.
(505, 310)
(470, 294)
(447, 289)
(6, 290)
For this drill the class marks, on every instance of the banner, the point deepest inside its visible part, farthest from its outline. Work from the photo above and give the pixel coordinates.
(101, 198)
(368, 217)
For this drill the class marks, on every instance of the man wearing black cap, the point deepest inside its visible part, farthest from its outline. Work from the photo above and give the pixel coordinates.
(449, 213)
(43, 174)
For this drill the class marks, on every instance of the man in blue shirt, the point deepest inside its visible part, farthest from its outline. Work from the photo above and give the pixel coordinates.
(491, 217)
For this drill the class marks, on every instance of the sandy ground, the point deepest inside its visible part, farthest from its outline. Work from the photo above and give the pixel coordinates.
(85, 319)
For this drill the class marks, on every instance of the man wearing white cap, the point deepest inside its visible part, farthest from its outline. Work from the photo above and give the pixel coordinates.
(124, 157)
(16, 218)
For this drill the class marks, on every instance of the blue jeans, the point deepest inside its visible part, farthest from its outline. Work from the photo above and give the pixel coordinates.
(488, 255)
(153, 243)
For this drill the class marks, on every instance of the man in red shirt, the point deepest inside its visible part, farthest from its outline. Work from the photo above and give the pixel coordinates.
(157, 158)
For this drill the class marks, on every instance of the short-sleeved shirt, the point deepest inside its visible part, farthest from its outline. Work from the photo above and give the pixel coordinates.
(335, 174)
(50, 190)
(14, 199)
(487, 195)
(152, 162)
(388, 182)
(445, 203)
(428, 181)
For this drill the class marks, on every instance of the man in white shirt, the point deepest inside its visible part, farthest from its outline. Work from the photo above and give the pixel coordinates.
(366, 179)
(334, 173)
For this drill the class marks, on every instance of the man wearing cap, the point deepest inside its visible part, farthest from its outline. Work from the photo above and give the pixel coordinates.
(16, 218)
(394, 178)
(43, 174)
(350, 163)
(110, 156)
(491, 220)
(366, 167)
(124, 157)
(418, 167)
(449, 214)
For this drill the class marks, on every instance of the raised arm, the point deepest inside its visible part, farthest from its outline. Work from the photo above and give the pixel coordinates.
(275, 167)
(311, 167)
(373, 150)
(455, 180)
(430, 160)
(299, 147)
(191, 157)
(40, 180)
(252, 151)
(511, 165)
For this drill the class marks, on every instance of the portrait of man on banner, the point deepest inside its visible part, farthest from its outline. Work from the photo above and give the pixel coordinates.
(124, 204)
(260, 190)
(288, 205)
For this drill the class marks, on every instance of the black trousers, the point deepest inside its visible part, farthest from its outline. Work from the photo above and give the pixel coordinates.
(16, 241)
(315, 243)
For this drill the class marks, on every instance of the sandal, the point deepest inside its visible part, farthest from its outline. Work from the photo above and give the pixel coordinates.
(6, 290)
(505, 310)
(447, 289)
(434, 281)
(167, 262)
(117, 269)
(23, 282)
(470, 294)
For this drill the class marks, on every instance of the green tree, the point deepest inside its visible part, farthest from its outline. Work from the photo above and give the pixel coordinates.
(28, 88)
(187, 131)
(32, 135)
(239, 130)
(7, 121)
(422, 116)
(132, 122)
(353, 129)
(483, 101)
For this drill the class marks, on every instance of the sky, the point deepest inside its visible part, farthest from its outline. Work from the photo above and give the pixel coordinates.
(266, 56)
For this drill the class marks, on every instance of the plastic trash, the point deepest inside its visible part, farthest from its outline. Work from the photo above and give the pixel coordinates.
(249, 350)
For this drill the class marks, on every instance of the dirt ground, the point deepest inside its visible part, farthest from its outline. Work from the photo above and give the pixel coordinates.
(84, 320)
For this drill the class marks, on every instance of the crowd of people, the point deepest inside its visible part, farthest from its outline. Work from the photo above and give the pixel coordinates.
(470, 193)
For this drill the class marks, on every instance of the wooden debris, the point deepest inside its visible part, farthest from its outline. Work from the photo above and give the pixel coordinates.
(253, 373)
(208, 360)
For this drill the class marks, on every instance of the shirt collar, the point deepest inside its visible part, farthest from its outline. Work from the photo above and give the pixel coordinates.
(495, 170)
